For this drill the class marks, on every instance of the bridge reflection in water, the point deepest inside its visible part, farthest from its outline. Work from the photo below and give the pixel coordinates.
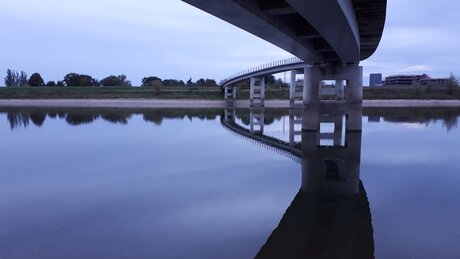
(330, 216)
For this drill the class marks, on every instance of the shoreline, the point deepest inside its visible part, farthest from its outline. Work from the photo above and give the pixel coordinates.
(188, 103)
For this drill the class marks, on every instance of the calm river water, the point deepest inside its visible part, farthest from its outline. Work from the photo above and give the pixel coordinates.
(105, 183)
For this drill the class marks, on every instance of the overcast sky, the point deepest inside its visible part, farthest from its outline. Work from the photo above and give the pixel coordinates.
(171, 39)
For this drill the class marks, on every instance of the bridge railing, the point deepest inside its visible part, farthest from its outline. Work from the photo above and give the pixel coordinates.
(278, 63)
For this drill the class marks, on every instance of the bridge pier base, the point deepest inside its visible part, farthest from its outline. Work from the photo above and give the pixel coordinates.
(351, 74)
(257, 91)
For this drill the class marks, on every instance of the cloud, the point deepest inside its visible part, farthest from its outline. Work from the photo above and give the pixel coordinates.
(171, 39)
(417, 68)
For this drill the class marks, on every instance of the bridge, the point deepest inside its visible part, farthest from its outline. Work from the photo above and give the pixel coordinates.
(330, 215)
(328, 37)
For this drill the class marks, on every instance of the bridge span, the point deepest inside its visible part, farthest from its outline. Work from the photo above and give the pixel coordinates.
(338, 31)
(328, 37)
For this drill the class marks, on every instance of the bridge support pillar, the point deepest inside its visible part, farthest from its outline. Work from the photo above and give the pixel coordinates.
(352, 74)
(257, 91)
(295, 89)
(230, 96)
(339, 87)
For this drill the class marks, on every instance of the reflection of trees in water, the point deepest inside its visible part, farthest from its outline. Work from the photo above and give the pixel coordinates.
(18, 120)
(116, 118)
(78, 119)
(156, 117)
(423, 115)
(77, 116)
(21, 117)
(38, 118)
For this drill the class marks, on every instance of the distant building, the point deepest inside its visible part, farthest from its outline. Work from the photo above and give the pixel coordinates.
(435, 82)
(412, 80)
(375, 80)
(405, 80)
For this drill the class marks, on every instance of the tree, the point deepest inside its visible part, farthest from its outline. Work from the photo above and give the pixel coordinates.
(51, 83)
(12, 78)
(270, 79)
(172, 82)
(190, 82)
(452, 84)
(74, 79)
(200, 82)
(23, 79)
(147, 81)
(60, 83)
(36, 80)
(157, 85)
(210, 83)
(115, 81)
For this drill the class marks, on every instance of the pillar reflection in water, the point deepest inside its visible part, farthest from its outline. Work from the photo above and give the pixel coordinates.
(330, 215)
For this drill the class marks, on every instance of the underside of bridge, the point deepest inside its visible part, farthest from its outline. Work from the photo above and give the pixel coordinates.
(326, 31)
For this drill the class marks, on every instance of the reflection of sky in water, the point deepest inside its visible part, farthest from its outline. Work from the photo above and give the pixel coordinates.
(180, 189)
(191, 189)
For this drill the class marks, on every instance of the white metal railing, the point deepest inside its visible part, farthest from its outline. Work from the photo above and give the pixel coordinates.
(278, 63)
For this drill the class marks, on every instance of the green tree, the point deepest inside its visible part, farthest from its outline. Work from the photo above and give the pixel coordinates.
(51, 83)
(23, 79)
(270, 79)
(172, 82)
(74, 79)
(157, 85)
(200, 82)
(12, 78)
(60, 83)
(452, 85)
(115, 81)
(210, 83)
(147, 81)
(36, 80)
(190, 82)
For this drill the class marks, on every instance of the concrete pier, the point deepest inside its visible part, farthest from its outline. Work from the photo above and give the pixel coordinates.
(351, 74)
(257, 91)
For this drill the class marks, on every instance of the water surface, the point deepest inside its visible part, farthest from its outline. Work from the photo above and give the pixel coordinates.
(89, 183)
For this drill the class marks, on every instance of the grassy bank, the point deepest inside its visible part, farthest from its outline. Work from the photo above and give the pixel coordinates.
(389, 93)
(206, 93)
(210, 93)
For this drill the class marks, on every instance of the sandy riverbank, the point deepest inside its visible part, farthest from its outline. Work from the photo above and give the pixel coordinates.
(151, 103)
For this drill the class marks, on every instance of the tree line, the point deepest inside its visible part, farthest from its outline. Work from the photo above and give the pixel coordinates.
(20, 79)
